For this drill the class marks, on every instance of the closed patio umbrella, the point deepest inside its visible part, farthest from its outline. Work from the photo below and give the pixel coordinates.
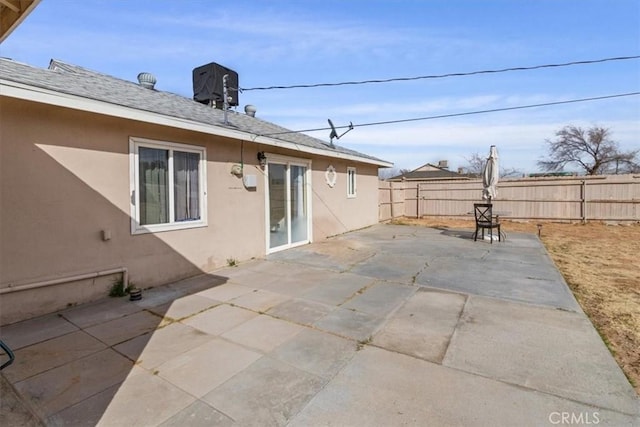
(490, 175)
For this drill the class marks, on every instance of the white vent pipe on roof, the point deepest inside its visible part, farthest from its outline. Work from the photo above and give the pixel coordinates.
(250, 110)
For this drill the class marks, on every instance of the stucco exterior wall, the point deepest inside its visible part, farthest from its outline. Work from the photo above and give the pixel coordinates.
(334, 212)
(64, 178)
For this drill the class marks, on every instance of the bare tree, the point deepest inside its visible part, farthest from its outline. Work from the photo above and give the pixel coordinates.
(510, 172)
(592, 149)
(475, 166)
(387, 173)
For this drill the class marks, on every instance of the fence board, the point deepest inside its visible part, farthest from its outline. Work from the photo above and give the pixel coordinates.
(613, 198)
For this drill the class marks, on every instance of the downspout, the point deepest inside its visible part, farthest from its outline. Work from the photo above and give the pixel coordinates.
(51, 282)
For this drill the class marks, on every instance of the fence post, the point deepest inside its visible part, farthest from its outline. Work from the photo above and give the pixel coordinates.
(391, 198)
(418, 200)
(583, 196)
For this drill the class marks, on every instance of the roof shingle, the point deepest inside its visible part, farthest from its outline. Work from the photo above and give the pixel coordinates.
(73, 80)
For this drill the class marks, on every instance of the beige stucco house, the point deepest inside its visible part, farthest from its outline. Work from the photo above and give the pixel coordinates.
(103, 179)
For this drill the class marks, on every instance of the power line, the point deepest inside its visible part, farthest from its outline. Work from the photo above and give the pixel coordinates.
(440, 76)
(467, 113)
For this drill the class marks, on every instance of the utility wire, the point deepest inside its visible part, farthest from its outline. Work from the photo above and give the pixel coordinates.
(440, 76)
(468, 113)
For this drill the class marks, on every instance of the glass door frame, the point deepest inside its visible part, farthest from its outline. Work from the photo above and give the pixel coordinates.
(288, 162)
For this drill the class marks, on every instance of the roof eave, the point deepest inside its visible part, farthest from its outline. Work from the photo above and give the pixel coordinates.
(45, 96)
(11, 19)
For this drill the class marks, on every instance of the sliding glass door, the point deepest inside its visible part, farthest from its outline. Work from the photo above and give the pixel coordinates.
(288, 204)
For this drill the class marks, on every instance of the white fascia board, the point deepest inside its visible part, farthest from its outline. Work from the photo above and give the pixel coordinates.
(46, 96)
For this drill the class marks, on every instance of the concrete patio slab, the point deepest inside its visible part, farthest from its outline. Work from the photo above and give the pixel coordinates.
(56, 389)
(275, 389)
(385, 266)
(158, 296)
(553, 351)
(525, 282)
(36, 330)
(260, 301)
(50, 354)
(144, 399)
(390, 325)
(124, 328)
(301, 311)
(337, 288)
(256, 280)
(350, 324)
(315, 352)
(184, 307)
(382, 388)
(226, 292)
(205, 367)
(197, 283)
(153, 349)
(87, 412)
(262, 333)
(100, 311)
(294, 285)
(380, 299)
(220, 319)
(13, 410)
(423, 326)
(330, 255)
(198, 414)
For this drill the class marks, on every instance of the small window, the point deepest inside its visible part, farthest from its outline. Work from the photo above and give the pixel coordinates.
(351, 182)
(167, 186)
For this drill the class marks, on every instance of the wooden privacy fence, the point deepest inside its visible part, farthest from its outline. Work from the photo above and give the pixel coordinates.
(613, 198)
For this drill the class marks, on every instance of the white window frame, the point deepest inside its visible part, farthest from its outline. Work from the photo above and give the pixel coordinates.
(134, 145)
(352, 192)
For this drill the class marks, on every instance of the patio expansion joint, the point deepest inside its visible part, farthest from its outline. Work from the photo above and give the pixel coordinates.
(455, 329)
(169, 320)
(415, 276)
(351, 266)
(361, 343)
(360, 291)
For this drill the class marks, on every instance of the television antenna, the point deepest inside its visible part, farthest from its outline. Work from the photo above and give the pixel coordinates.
(334, 134)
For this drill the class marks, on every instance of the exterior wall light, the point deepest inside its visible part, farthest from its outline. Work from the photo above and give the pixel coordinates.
(262, 158)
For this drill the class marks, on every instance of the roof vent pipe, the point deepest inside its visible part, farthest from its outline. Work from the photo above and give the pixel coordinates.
(250, 110)
(147, 80)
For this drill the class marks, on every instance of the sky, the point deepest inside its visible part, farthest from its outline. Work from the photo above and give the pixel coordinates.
(289, 42)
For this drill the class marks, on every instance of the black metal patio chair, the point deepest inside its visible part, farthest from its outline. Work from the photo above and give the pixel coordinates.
(485, 220)
(5, 348)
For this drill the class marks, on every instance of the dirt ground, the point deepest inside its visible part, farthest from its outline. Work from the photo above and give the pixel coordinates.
(601, 264)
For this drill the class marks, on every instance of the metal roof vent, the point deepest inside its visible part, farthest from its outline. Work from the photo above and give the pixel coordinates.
(147, 80)
(250, 110)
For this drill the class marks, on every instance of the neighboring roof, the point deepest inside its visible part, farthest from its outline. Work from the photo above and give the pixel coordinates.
(430, 172)
(429, 167)
(75, 87)
(12, 13)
